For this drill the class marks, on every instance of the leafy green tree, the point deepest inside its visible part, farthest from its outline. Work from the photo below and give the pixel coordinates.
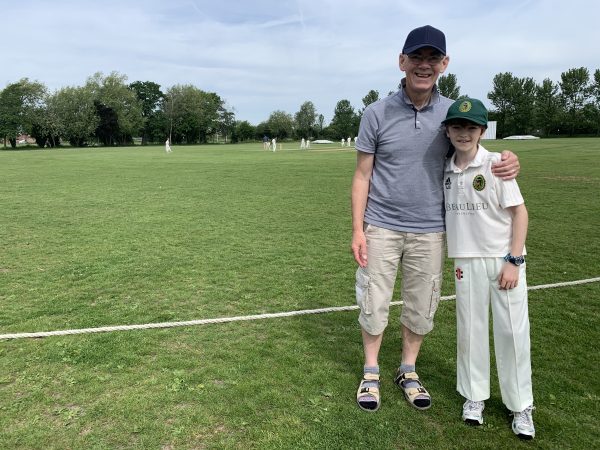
(107, 131)
(262, 129)
(150, 96)
(212, 115)
(157, 126)
(244, 131)
(320, 125)
(281, 125)
(75, 113)
(305, 120)
(112, 93)
(226, 122)
(514, 99)
(547, 107)
(21, 105)
(47, 129)
(595, 97)
(524, 119)
(589, 116)
(371, 97)
(192, 113)
(502, 97)
(575, 92)
(345, 120)
(448, 86)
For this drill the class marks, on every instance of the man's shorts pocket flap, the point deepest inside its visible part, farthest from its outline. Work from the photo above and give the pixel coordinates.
(362, 290)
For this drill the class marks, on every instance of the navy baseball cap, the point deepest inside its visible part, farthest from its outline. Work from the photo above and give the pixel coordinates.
(426, 36)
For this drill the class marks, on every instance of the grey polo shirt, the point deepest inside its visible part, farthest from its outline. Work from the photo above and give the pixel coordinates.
(410, 149)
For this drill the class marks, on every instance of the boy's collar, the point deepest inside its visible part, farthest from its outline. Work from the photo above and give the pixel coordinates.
(475, 162)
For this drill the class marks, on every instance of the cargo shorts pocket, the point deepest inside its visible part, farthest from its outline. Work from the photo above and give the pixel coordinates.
(435, 297)
(362, 290)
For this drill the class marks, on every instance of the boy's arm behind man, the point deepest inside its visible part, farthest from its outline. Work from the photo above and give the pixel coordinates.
(509, 276)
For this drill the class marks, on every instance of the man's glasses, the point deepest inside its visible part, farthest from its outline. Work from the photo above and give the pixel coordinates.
(433, 60)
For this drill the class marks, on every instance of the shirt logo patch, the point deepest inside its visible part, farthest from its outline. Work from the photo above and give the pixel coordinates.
(465, 106)
(479, 183)
(459, 274)
(448, 183)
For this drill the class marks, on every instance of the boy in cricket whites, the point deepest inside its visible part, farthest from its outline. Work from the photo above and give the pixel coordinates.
(486, 227)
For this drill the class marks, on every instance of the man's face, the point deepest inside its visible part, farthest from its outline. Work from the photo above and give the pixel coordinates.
(422, 68)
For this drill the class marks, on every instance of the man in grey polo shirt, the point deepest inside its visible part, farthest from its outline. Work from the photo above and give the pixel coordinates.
(398, 212)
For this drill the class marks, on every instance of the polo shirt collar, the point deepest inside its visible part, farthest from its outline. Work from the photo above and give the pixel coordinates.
(478, 161)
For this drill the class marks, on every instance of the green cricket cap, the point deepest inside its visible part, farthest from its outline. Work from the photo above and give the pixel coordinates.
(469, 109)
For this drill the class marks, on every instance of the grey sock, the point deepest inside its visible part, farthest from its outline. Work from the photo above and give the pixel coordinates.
(371, 369)
(407, 368)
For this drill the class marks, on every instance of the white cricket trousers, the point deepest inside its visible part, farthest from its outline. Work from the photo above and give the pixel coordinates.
(476, 285)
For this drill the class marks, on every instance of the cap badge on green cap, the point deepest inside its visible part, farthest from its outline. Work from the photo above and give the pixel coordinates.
(465, 106)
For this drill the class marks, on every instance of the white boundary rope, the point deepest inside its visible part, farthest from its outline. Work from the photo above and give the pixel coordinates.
(187, 323)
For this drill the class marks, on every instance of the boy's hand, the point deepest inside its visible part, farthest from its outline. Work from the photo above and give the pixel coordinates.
(509, 276)
(508, 167)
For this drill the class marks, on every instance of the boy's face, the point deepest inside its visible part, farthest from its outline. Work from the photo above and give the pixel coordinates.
(464, 135)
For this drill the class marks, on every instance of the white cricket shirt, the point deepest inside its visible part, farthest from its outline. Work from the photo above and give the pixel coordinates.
(477, 223)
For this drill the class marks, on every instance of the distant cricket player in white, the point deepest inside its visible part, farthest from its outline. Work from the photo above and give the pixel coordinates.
(274, 144)
(349, 142)
(308, 143)
(302, 143)
(168, 146)
(343, 142)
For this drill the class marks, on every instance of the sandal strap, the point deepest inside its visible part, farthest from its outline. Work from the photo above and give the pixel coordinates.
(409, 376)
(403, 377)
(372, 390)
(368, 396)
(369, 390)
(413, 391)
(370, 377)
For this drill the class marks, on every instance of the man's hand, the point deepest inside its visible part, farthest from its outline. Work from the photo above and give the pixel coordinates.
(508, 168)
(509, 276)
(359, 248)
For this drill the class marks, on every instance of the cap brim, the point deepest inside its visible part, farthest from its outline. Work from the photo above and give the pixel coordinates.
(450, 119)
(414, 48)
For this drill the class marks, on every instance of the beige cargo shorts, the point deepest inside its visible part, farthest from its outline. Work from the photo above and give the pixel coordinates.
(420, 257)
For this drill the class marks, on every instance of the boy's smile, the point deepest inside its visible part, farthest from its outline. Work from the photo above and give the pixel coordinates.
(465, 138)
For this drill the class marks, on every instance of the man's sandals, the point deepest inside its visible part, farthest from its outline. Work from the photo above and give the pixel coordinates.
(368, 397)
(413, 389)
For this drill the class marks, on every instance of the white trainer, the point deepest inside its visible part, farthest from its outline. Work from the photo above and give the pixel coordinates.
(522, 424)
(473, 412)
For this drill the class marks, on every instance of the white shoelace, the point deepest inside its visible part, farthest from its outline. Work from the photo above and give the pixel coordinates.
(524, 417)
(472, 406)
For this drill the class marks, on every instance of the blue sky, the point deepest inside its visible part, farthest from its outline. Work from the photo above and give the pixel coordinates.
(267, 55)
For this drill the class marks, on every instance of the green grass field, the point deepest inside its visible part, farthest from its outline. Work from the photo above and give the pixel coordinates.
(97, 237)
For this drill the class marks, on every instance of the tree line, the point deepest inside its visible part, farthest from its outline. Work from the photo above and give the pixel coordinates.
(109, 111)
(568, 107)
